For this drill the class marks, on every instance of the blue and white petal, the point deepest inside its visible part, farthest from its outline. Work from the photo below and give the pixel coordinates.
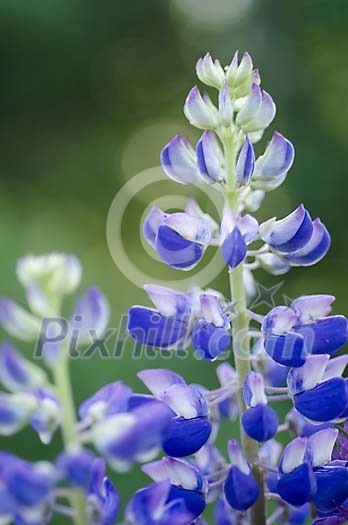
(186, 401)
(153, 221)
(308, 375)
(210, 158)
(253, 390)
(272, 167)
(310, 308)
(240, 488)
(179, 161)
(293, 455)
(320, 446)
(234, 248)
(212, 310)
(288, 349)
(245, 163)
(178, 471)
(279, 320)
(170, 302)
(264, 115)
(289, 234)
(250, 106)
(273, 264)
(110, 399)
(159, 380)
(314, 250)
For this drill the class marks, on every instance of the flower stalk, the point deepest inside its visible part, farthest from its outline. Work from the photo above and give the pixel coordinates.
(241, 343)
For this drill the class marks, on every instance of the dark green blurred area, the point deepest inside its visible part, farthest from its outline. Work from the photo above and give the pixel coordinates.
(91, 91)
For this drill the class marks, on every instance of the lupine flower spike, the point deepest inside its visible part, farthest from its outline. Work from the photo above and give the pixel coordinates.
(294, 354)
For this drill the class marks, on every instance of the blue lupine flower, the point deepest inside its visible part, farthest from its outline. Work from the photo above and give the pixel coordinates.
(179, 239)
(297, 484)
(259, 421)
(319, 391)
(240, 488)
(76, 466)
(151, 505)
(128, 437)
(237, 232)
(200, 111)
(187, 482)
(180, 317)
(246, 163)
(291, 334)
(272, 167)
(210, 158)
(103, 502)
(301, 460)
(289, 234)
(16, 372)
(179, 161)
(190, 428)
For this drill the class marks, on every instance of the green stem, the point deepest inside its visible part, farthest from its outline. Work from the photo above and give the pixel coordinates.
(241, 343)
(68, 425)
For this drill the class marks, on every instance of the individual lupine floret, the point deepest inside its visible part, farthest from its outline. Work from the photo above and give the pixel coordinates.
(236, 233)
(259, 420)
(179, 161)
(297, 239)
(190, 427)
(301, 460)
(103, 502)
(18, 373)
(210, 72)
(241, 488)
(179, 239)
(15, 411)
(26, 490)
(318, 390)
(210, 335)
(257, 111)
(272, 167)
(125, 427)
(210, 158)
(151, 505)
(292, 333)
(202, 317)
(240, 77)
(187, 483)
(200, 111)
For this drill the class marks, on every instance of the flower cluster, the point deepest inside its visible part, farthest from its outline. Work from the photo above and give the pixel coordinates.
(288, 355)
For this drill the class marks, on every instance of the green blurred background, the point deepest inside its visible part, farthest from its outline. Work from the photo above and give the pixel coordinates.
(91, 90)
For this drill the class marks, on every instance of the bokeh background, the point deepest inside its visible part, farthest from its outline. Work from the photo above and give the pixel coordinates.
(89, 93)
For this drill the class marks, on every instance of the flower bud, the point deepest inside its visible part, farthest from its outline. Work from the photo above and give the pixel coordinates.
(225, 106)
(246, 162)
(16, 372)
(18, 322)
(200, 111)
(209, 72)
